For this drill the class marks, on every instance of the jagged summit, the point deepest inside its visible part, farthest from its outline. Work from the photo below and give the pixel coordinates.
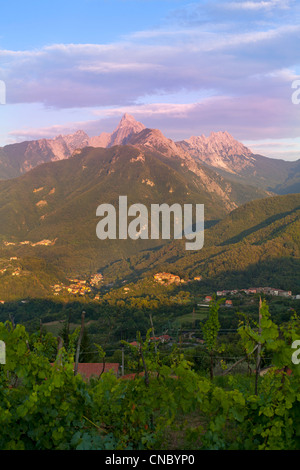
(219, 142)
(127, 127)
(127, 118)
(154, 139)
(220, 150)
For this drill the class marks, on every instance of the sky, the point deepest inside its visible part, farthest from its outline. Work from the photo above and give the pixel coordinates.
(186, 68)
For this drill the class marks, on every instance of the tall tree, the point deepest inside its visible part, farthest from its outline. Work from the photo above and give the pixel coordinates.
(210, 331)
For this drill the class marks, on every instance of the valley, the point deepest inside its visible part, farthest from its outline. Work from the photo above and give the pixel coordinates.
(150, 229)
(144, 305)
(48, 214)
(50, 254)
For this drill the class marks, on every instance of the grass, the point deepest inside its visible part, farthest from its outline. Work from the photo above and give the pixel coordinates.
(185, 433)
(55, 327)
(192, 317)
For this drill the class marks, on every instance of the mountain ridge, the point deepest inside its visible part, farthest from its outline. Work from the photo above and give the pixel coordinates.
(216, 150)
(47, 213)
(219, 150)
(257, 244)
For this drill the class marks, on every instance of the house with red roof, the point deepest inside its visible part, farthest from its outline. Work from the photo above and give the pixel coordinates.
(95, 369)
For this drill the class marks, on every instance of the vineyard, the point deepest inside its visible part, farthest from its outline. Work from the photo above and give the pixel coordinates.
(45, 405)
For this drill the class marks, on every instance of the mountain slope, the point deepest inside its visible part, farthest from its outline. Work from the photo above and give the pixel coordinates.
(257, 244)
(235, 161)
(292, 181)
(50, 212)
(17, 159)
(219, 150)
(154, 139)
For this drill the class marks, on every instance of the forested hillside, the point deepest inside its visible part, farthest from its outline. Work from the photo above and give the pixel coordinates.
(256, 244)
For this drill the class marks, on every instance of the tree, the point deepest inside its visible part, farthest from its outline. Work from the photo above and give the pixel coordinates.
(87, 354)
(211, 330)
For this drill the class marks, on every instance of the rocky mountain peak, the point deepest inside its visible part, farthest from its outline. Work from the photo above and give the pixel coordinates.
(126, 128)
(155, 140)
(220, 149)
(126, 119)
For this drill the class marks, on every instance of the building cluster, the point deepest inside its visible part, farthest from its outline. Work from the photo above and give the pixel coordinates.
(209, 298)
(161, 339)
(251, 290)
(16, 269)
(16, 272)
(168, 278)
(76, 287)
(79, 286)
(27, 242)
(258, 290)
(156, 339)
(96, 279)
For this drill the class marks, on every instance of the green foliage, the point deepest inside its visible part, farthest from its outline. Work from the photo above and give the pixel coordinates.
(265, 333)
(259, 240)
(211, 330)
(43, 405)
(256, 244)
(38, 401)
(212, 326)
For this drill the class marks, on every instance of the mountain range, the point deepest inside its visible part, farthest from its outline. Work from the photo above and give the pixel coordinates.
(51, 189)
(220, 151)
(17, 159)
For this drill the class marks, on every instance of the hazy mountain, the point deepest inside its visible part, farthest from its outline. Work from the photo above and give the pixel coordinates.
(220, 151)
(48, 214)
(292, 181)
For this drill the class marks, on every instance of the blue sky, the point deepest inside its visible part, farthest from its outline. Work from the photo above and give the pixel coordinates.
(39, 23)
(187, 68)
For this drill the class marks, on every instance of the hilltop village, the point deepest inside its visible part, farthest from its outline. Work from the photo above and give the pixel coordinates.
(164, 278)
(78, 286)
(91, 286)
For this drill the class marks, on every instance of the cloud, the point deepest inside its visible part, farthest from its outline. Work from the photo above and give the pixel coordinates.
(259, 5)
(280, 149)
(153, 109)
(236, 59)
(236, 14)
(66, 76)
(250, 120)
